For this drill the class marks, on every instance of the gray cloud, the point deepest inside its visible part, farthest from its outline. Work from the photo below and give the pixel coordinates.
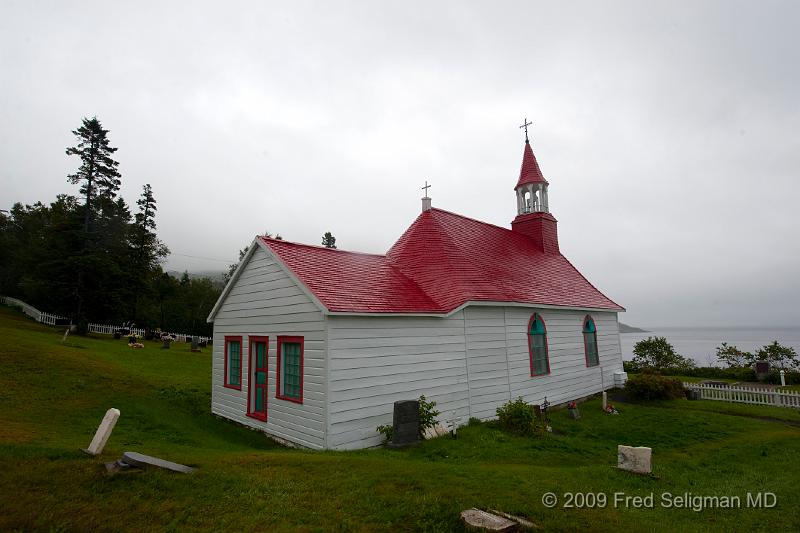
(668, 131)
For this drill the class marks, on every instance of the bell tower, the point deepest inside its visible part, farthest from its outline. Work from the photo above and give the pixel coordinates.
(533, 207)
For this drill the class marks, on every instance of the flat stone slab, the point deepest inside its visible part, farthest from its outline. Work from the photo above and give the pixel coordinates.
(140, 460)
(487, 521)
(634, 459)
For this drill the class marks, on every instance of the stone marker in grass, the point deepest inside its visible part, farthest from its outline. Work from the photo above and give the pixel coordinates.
(482, 521)
(405, 424)
(103, 432)
(634, 459)
(139, 460)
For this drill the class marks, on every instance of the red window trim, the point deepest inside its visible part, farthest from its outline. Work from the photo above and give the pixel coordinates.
(225, 381)
(585, 351)
(252, 388)
(530, 345)
(281, 340)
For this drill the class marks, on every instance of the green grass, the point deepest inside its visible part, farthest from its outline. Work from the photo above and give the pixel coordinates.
(53, 395)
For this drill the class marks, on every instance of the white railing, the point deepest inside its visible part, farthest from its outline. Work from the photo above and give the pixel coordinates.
(29, 310)
(745, 394)
(103, 329)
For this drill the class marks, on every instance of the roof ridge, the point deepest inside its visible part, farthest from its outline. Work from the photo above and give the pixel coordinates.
(473, 219)
(317, 246)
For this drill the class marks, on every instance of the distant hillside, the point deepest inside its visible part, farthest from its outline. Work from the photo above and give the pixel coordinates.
(625, 328)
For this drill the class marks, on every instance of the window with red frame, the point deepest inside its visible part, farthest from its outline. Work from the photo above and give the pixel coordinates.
(233, 362)
(290, 369)
(590, 342)
(537, 345)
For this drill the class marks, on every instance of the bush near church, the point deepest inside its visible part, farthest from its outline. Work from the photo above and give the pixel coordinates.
(649, 387)
(656, 354)
(518, 417)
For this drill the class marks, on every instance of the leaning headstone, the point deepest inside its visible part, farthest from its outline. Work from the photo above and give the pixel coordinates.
(634, 459)
(483, 521)
(103, 432)
(406, 424)
(140, 460)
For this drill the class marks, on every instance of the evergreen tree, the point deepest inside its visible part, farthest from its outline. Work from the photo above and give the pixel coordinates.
(97, 175)
(147, 250)
(99, 182)
(328, 240)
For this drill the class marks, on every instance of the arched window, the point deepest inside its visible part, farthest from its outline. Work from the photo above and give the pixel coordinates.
(590, 342)
(537, 346)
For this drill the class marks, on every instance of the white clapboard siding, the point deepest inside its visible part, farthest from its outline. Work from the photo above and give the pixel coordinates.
(265, 301)
(471, 363)
(569, 376)
(376, 361)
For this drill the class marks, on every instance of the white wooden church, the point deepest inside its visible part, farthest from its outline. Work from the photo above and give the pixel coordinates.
(314, 345)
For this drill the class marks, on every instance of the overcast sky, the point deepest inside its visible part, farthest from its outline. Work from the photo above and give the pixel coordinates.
(668, 131)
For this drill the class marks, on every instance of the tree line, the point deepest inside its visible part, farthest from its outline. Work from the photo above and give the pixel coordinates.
(89, 257)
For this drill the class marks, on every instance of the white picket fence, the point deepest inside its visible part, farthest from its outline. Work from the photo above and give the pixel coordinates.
(103, 329)
(744, 394)
(31, 311)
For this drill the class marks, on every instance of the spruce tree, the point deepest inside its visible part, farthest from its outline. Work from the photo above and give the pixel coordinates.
(98, 175)
(146, 248)
(328, 240)
(99, 182)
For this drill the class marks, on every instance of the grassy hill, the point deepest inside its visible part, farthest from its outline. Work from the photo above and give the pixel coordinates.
(53, 395)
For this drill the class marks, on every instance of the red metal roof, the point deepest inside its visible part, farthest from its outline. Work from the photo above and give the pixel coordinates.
(442, 261)
(530, 172)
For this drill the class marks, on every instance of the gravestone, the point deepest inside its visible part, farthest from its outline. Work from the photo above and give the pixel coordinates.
(195, 343)
(165, 344)
(634, 459)
(103, 432)
(405, 424)
(139, 460)
(483, 521)
(762, 370)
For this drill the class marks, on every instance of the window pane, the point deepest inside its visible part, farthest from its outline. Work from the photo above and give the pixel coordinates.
(291, 369)
(261, 355)
(590, 340)
(234, 362)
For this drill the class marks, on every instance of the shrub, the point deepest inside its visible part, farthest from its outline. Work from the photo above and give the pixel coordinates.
(427, 415)
(517, 417)
(658, 354)
(792, 377)
(649, 387)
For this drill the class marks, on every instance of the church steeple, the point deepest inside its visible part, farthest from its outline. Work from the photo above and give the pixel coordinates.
(533, 206)
(531, 187)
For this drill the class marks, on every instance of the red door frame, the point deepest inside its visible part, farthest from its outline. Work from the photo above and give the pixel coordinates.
(252, 386)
